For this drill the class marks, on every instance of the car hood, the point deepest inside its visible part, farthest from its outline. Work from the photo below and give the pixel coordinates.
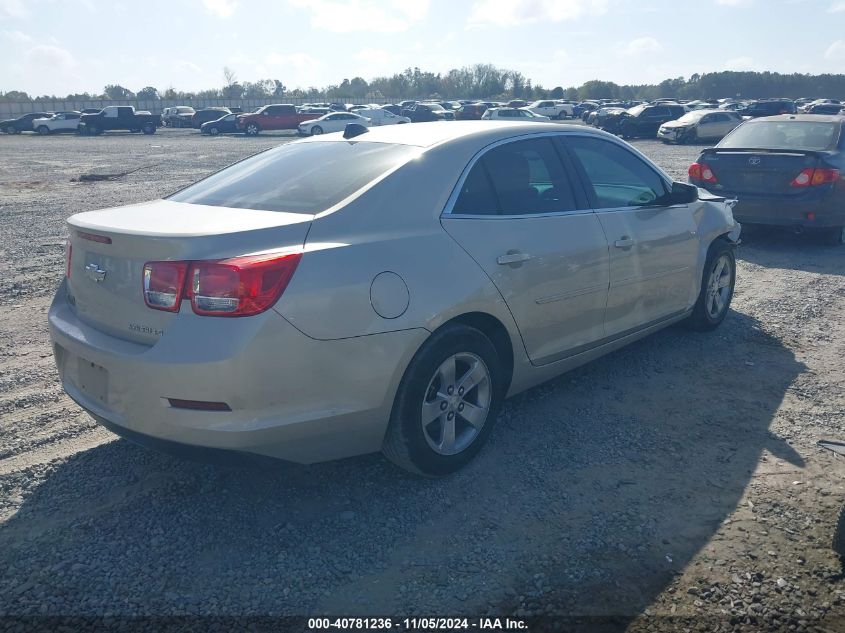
(673, 124)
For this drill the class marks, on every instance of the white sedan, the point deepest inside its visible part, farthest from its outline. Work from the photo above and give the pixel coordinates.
(61, 122)
(514, 114)
(333, 122)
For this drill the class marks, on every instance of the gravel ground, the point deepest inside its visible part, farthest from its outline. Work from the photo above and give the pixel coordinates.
(674, 484)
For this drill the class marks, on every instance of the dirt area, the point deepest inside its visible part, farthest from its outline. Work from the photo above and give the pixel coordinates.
(673, 485)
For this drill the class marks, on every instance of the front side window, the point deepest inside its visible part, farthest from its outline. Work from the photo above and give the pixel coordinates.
(618, 177)
(519, 178)
(293, 178)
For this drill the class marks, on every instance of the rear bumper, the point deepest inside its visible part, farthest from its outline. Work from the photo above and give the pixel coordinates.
(806, 212)
(291, 397)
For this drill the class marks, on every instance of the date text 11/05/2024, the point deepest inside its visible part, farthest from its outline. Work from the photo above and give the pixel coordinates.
(417, 624)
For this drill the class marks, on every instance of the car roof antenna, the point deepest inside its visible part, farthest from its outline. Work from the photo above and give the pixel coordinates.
(354, 129)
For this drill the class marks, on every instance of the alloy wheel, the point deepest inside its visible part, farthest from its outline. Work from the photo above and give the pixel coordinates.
(719, 287)
(456, 403)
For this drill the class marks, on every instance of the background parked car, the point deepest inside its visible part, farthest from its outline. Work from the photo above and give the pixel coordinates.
(513, 114)
(810, 104)
(332, 122)
(552, 109)
(784, 170)
(826, 108)
(226, 124)
(118, 118)
(177, 116)
(207, 114)
(470, 111)
(59, 122)
(645, 120)
(23, 123)
(768, 107)
(424, 112)
(277, 116)
(699, 125)
(380, 116)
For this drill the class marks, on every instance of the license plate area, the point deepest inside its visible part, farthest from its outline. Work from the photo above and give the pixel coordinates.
(92, 380)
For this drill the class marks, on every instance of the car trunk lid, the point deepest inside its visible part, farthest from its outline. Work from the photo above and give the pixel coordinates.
(756, 171)
(110, 248)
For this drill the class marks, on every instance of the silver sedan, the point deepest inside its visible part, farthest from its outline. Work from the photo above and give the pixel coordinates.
(386, 291)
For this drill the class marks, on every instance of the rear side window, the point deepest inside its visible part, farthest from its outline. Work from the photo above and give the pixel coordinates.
(801, 135)
(519, 178)
(298, 177)
(619, 178)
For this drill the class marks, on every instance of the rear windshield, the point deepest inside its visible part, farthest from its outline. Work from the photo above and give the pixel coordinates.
(297, 177)
(803, 135)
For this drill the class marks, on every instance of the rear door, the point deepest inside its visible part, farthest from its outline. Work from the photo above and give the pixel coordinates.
(522, 217)
(653, 247)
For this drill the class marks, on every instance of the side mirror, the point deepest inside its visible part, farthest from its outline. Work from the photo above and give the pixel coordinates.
(682, 193)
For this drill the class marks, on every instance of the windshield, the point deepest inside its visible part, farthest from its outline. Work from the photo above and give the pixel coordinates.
(636, 110)
(801, 135)
(298, 177)
(435, 106)
(691, 117)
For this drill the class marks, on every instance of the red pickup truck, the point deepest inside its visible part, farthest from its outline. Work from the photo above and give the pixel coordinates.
(273, 117)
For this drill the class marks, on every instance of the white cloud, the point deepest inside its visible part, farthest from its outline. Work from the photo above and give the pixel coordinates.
(837, 7)
(346, 16)
(50, 58)
(836, 51)
(300, 62)
(735, 3)
(187, 66)
(220, 8)
(642, 45)
(17, 37)
(513, 12)
(13, 9)
(741, 63)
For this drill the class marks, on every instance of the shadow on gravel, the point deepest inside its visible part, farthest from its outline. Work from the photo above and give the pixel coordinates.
(596, 489)
(781, 248)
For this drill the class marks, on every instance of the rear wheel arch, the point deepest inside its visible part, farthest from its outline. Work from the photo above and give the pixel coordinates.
(494, 330)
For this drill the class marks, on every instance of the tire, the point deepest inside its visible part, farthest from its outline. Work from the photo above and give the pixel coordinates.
(835, 237)
(213, 131)
(838, 544)
(149, 128)
(252, 129)
(316, 130)
(93, 130)
(711, 307)
(691, 136)
(429, 450)
(43, 130)
(9, 129)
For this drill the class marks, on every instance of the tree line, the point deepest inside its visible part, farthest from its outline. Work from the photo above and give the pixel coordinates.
(485, 81)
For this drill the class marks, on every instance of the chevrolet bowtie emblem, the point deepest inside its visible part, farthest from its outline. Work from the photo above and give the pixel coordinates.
(95, 273)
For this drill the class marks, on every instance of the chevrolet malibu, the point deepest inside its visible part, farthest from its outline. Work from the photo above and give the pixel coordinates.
(337, 296)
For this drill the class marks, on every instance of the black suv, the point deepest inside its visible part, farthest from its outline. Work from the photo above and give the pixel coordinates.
(23, 123)
(769, 107)
(422, 112)
(644, 120)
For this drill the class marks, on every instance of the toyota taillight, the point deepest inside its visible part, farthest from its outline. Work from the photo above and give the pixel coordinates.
(164, 285)
(240, 286)
(702, 172)
(814, 177)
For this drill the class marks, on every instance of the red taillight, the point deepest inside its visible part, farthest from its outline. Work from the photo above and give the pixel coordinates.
(701, 171)
(241, 286)
(164, 284)
(68, 257)
(814, 177)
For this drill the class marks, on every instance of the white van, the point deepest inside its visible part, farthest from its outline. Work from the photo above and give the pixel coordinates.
(380, 116)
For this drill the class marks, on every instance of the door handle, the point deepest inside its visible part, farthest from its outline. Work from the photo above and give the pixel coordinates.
(512, 258)
(625, 242)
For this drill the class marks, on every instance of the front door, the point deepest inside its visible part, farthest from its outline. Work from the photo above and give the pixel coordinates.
(519, 217)
(653, 247)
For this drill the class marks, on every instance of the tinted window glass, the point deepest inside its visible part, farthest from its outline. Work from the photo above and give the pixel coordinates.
(519, 178)
(295, 177)
(810, 135)
(618, 177)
